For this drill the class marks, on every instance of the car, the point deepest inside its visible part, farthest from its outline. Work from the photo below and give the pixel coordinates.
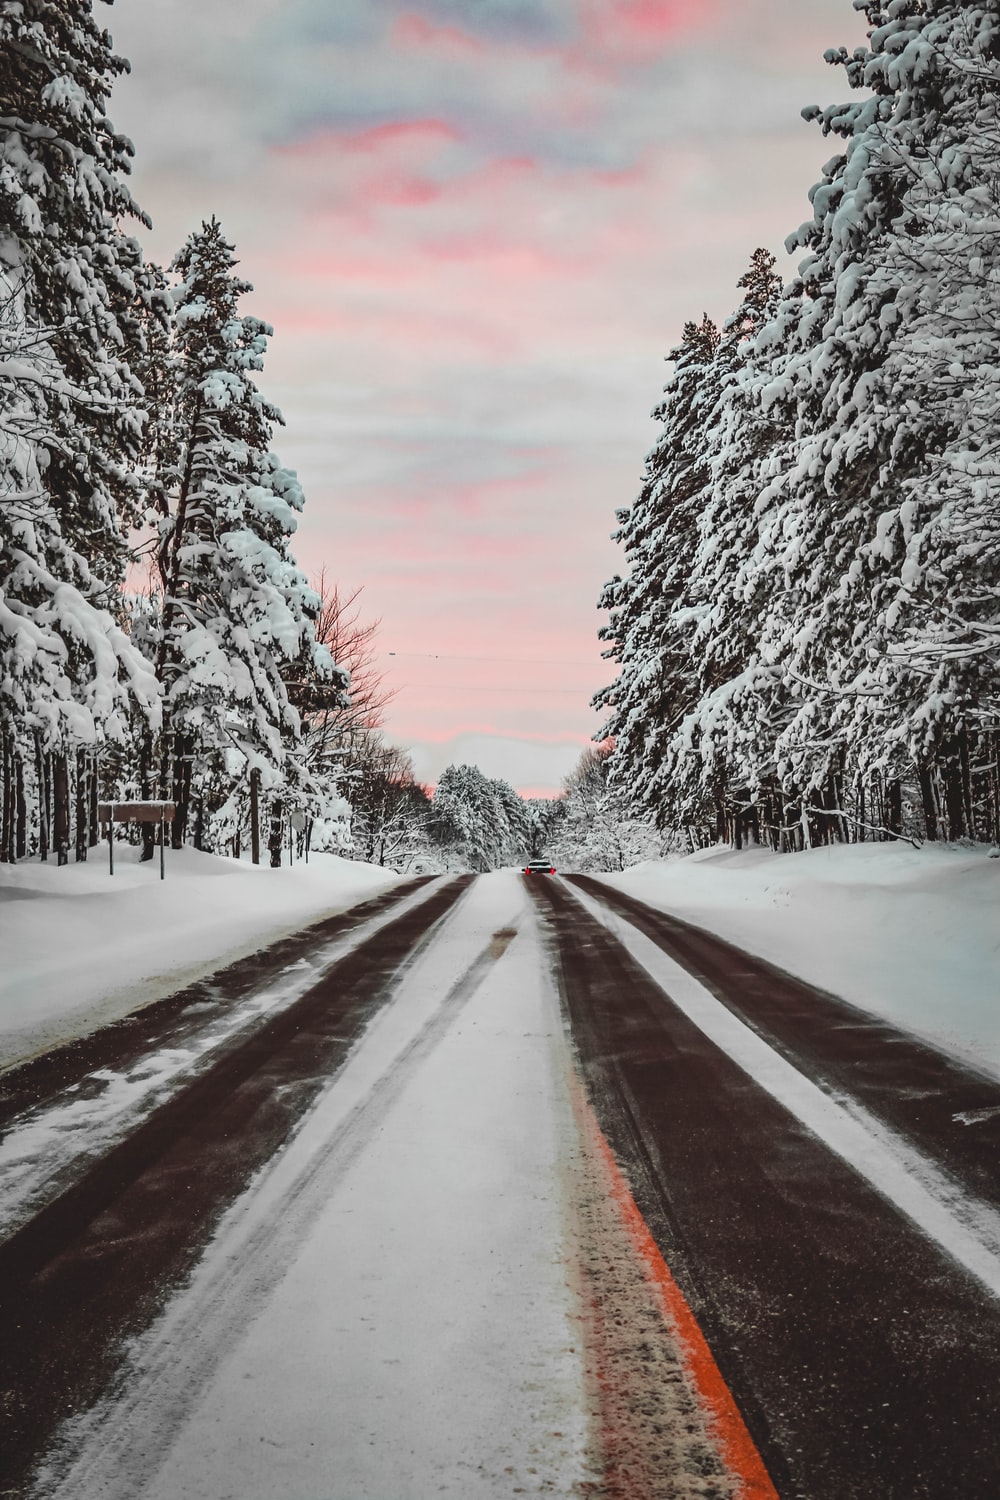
(539, 867)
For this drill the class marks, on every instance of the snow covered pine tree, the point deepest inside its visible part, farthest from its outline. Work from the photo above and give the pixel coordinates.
(890, 370)
(237, 621)
(483, 821)
(70, 678)
(649, 626)
(594, 825)
(840, 606)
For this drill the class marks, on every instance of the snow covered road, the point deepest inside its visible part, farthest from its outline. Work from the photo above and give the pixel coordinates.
(423, 1291)
(374, 1243)
(387, 1313)
(849, 1286)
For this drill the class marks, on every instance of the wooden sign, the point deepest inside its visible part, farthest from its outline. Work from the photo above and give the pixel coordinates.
(136, 812)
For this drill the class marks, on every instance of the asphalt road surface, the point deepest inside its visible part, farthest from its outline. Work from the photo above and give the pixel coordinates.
(864, 1360)
(98, 1261)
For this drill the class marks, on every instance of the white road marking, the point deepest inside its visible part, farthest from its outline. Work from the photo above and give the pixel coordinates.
(967, 1229)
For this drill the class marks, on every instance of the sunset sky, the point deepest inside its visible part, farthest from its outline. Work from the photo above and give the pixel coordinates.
(477, 227)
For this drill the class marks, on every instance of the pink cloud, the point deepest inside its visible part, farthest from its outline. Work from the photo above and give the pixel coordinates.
(660, 20)
(417, 32)
(438, 734)
(376, 138)
(512, 259)
(626, 33)
(492, 258)
(371, 140)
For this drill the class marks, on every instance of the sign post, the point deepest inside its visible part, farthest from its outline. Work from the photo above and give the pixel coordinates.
(296, 823)
(136, 812)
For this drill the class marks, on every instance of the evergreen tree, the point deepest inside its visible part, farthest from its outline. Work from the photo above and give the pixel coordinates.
(595, 825)
(237, 614)
(70, 288)
(483, 821)
(890, 318)
(650, 623)
(719, 763)
(840, 602)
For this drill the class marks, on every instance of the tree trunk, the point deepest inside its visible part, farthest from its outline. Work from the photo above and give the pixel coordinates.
(41, 774)
(147, 830)
(6, 802)
(94, 826)
(965, 772)
(721, 831)
(894, 806)
(21, 811)
(181, 790)
(806, 831)
(60, 795)
(929, 799)
(953, 797)
(839, 827)
(274, 838)
(81, 806)
(255, 815)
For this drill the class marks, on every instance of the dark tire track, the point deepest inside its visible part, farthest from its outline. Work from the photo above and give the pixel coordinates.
(95, 1266)
(169, 1022)
(865, 1362)
(914, 1088)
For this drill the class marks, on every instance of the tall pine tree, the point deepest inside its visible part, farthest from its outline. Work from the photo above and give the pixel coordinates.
(237, 619)
(649, 628)
(71, 288)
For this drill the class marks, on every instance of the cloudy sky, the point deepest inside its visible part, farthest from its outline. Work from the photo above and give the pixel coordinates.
(477, 227)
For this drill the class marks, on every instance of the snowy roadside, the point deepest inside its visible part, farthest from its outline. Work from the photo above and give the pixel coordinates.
(82, 948)
(912, 935)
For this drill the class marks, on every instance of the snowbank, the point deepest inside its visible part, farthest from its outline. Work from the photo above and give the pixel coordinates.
(81, 948)
(909, 934)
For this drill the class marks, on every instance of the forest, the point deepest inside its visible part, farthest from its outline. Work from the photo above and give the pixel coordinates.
(805, 630)
(803, 637)
(158, 642)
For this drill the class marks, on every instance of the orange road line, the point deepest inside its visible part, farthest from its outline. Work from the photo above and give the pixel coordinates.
(736, 1446)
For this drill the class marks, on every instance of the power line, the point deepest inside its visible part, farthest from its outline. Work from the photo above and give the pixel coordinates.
(486, 688)
(554, 661)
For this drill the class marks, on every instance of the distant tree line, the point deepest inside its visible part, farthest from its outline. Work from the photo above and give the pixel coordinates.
(482, 821)
(806, 629)
(594, 824)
